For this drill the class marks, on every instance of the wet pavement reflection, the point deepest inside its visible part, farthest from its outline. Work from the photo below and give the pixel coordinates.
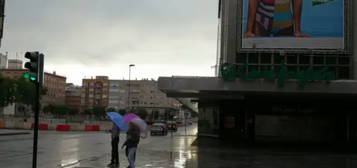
(179, 150)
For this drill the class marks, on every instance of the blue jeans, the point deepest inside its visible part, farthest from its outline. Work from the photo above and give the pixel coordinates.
(131, 154)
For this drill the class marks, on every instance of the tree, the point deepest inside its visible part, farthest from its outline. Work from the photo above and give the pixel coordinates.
(99, 111)
(48, 109)
(7, 91)
(17, 91)
(111, 109)
(88, 112)
(60, 110)
(141, 112)
(25, 92)
(122, 111)
(73, 111)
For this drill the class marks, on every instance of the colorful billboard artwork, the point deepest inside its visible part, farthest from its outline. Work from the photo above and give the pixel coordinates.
(293, 24)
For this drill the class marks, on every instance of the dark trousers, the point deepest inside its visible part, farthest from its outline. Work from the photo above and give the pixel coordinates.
(115, 153)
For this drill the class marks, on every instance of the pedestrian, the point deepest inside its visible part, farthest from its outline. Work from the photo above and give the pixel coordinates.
(115, 133)
(131, 144)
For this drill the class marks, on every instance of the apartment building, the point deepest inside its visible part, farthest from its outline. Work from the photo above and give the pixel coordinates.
(14, 64)
(143, 94)
(55, 85)
(95, 92)
(73, 96)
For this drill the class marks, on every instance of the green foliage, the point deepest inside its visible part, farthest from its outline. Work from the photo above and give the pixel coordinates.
(7, 91)
(48, 109)
(88, 111)
(73, 111)
(17, 91)
(122, 111)
(60, 110)
(99, 111)
(141, 112)
(111, 109)
(25, 92)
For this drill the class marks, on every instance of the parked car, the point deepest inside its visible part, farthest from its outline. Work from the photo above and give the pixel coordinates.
(172, 126)
(158, 129)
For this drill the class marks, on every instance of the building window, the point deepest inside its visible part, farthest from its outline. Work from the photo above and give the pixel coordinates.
(318, 60)
(265, 59)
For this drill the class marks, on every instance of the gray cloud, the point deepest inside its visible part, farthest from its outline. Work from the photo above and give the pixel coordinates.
(114, 32)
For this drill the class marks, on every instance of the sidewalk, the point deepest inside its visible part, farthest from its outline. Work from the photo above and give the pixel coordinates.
(6, 132)
(214, 153)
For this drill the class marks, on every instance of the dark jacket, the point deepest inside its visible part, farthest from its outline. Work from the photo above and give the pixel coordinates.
(132, 137)
(115, 131)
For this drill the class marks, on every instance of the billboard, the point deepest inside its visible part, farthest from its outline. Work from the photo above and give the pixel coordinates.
(293, 24)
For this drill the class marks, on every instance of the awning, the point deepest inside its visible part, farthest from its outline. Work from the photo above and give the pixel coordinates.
(215, 87)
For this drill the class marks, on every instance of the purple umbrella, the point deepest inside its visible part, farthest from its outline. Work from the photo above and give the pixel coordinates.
(136, 120)
(144, 129)
(130, 116)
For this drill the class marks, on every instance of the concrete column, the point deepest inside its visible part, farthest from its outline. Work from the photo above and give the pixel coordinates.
(229, 31)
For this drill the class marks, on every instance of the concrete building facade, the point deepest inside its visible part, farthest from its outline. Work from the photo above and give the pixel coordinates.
(14, 64)
(286, 94)
(55, 85)
(13, 73)
(73, 96)
(95, 92)
(143, 94)
(3, 61)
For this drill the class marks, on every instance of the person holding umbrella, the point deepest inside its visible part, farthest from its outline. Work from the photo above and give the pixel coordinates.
(131, 143)
(118, 124)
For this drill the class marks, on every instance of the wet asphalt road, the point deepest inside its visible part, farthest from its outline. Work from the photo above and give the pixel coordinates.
(92, 150)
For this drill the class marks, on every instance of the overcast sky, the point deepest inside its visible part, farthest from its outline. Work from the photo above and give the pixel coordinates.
(84, 38)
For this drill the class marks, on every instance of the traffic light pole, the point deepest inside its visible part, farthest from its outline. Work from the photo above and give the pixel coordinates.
(35, 129)
(35, 75)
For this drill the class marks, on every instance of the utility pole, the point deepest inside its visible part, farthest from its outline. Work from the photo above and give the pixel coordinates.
(131, 65)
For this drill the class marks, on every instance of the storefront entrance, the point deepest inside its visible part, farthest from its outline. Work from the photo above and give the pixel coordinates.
(280, 118)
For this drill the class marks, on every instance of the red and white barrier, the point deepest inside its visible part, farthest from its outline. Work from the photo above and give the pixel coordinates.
(63, 127)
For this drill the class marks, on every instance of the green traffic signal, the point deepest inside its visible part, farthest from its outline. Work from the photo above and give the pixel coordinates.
(28, 76)
(34, 66)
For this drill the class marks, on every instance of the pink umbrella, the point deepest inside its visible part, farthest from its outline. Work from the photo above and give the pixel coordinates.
(144, 129)
(128, 117)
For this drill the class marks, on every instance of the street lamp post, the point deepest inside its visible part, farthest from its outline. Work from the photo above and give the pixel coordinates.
(131, 65)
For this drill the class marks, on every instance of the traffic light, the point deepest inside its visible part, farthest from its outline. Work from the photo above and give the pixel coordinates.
(34, 66)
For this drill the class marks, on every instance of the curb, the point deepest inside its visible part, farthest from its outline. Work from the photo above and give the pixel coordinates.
(14, 133)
